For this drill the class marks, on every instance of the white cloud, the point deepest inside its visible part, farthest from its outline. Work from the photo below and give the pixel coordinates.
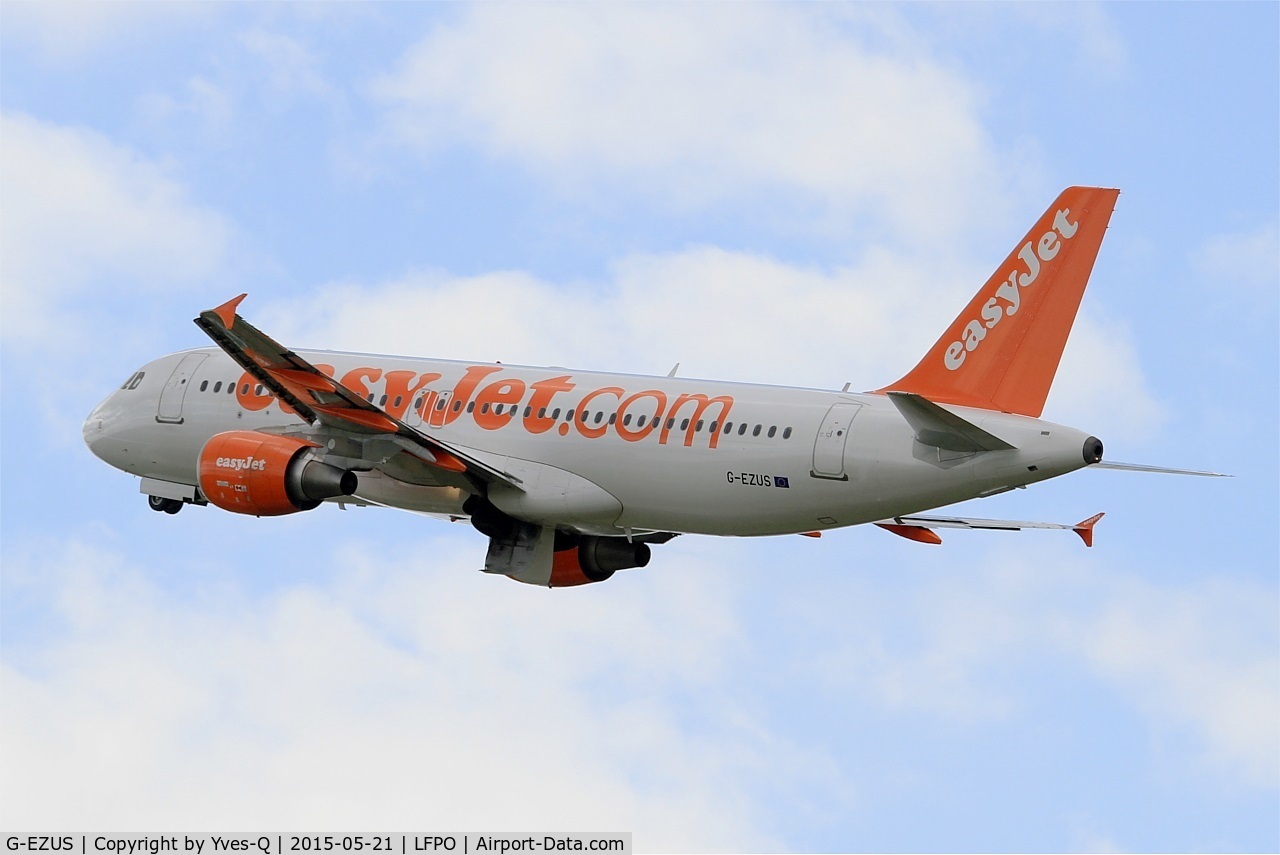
(212, 105)
(701, 103)
(378, 697)
(1199, 657)
(722, 315)
(1088, 26)
(71, 32)
(380, 689)
(292, 68)
(1205, 657)
(1248, 259)
(1101, 386)
(82, 214)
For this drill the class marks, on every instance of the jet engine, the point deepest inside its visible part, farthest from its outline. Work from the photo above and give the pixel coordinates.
(264, 475)
(595, 559)
(578, 559)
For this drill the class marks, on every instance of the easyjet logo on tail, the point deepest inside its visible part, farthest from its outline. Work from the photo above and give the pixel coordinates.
(1008, 296)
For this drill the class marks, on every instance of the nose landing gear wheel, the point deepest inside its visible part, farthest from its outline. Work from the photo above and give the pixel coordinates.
(159, 503)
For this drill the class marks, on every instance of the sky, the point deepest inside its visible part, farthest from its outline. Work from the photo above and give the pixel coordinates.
(802, 194)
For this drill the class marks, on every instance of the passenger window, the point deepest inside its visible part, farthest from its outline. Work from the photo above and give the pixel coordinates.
(257, 390)
(485, 408)
(626, 420)
(569, 416)
(382, 402)
(772, 430)
(542, 412)
(457, 406)
(244, 390)
(417, 405)
(671, 423)
(204, 384)
(742, 428)
(528, 411)
(640, 421)
(599, 416)
(613, 418)
(217, 387)
(555, 414)
(471, 407)
(684, 425)
(728, 427)
(756, 431)
(713, 427)
(786, 434)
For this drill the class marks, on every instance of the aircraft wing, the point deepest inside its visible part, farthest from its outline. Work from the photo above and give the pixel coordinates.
(921, 528)
(319, 398)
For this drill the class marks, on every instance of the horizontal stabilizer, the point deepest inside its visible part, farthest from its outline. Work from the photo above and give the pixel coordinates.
(1138, 467)
(921, 528)
(942, 428)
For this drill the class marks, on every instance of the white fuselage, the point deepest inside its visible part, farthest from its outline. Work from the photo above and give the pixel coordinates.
(654, 453)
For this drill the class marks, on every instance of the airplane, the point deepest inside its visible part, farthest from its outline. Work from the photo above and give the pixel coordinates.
(574, 475)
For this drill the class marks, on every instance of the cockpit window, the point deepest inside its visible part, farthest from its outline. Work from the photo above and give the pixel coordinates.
(134, 381)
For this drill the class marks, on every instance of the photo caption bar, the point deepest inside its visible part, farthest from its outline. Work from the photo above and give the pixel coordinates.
(275, 843)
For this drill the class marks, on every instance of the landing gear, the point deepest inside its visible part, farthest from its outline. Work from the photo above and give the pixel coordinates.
(169, 506)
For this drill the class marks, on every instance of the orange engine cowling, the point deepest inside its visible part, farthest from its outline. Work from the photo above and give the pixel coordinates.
(594, 559)
(246, 472)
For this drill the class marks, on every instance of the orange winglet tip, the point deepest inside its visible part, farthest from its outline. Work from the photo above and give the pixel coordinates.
(810, 534)
(447, 461)
(1085, 528)
(918, 533)
(227, 311)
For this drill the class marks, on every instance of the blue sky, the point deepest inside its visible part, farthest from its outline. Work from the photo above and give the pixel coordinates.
(799, 194)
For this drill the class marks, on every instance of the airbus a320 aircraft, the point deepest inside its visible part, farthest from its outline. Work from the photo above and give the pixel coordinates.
(573, 474)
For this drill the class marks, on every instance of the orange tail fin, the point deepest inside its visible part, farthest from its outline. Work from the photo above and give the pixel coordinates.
(1002, 351)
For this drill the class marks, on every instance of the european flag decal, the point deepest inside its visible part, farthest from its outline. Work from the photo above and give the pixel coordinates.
(779, 481)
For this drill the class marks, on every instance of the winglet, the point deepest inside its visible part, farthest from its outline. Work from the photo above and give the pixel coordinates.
(1085, 528)
(227, 311)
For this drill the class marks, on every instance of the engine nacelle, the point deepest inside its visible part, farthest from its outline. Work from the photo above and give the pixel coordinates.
(595, 559)
(264, 475)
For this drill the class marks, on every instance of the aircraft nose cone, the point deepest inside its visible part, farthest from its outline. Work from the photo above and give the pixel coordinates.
(93, 431)
(100, 429)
